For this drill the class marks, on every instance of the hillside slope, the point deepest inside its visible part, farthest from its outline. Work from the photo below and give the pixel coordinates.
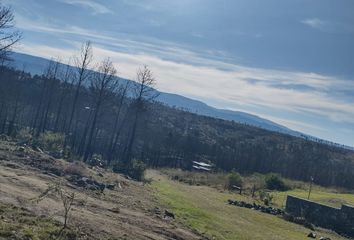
(130, 210)
(205, 209)
(125, 212)
(167, 136)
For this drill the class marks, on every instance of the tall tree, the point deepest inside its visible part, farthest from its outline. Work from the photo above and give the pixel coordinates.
(9, 36)
(64, 91)
(143, 93)
(103, 84)
(17, 95)
(122, 94)
(52, 76)
(45, 96)
(82, 65)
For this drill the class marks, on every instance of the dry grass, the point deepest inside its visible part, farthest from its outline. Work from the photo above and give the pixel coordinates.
(76, 168)
(122, 213)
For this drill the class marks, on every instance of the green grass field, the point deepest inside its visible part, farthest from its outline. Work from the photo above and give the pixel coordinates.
(318, 194)
(205, 209)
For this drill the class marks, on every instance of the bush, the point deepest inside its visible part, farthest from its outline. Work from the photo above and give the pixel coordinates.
(76, 168)
(134, 169)
(234, 179)
(24, 135)
(266, 197)
(96, 160)
(275, 182)
(51, 142)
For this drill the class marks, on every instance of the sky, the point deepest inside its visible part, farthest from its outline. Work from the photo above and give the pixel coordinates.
(289, 61)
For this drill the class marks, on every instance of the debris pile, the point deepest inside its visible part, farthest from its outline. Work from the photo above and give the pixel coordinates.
(254, 206)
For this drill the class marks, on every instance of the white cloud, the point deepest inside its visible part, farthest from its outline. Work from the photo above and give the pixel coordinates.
(228, 87)
(329, 26)
(95, 7)
(314, 23)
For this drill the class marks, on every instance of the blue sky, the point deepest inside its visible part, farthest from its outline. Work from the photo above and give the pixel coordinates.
(290, 61)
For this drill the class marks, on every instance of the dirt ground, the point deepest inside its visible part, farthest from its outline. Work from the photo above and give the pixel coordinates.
(129, 211)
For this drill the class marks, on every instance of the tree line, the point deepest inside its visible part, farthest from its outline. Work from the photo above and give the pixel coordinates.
(78, 102)
(124, 125)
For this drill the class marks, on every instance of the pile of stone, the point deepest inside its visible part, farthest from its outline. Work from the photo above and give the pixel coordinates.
(89, 183)
(314, 235)
(257, 207)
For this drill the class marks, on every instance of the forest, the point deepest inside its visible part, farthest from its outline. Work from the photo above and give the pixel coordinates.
(96, 115)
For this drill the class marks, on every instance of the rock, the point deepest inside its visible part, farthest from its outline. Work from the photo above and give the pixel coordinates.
(57, 154)
(110, 186)
(21, 149)
(81, 182)
(325, 238)
(309, 225)
(312, 235)
(254, 206)
(169, 214)
(100, 174)
(37, 149)
(99, 186)
(115, 210)
(157, 211)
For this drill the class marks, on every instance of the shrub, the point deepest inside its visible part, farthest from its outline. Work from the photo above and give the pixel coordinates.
(266, 197)
(138, 170)
(234, 179)
(76, 168)
(275, 182)
(134, 169)
(51, 142)
(24, 135)
(96, 160)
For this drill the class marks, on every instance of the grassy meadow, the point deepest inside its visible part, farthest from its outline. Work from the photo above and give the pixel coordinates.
(205, 209)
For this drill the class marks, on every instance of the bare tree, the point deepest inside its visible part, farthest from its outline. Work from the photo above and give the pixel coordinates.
(46, 97)
(82, 64)
(8, 35)
(103, 84)
(65, 76)
(122, 94)
(52, 76)
(67, 198)
(16, 106)
(143, 93)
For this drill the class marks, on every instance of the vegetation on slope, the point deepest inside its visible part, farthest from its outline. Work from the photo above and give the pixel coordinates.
(164, 136)
(19, 223)
(255, 185)
(206, 210)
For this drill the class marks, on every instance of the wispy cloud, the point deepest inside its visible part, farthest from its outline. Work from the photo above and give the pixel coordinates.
(314, 23)
(229, 86)
(96, 8)
(328, 26)
(197, 74)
